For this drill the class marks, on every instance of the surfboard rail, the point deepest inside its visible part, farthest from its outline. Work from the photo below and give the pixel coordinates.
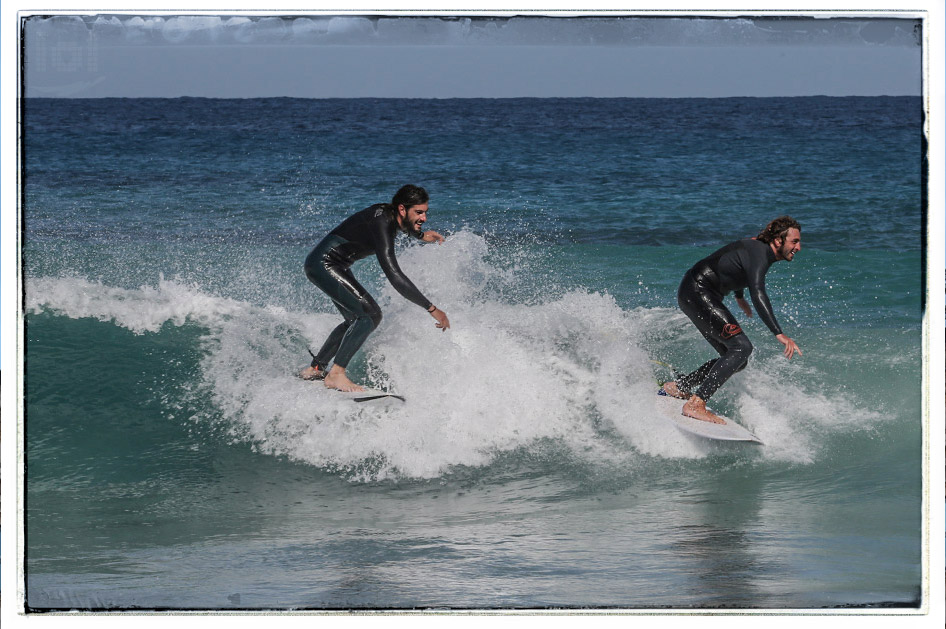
(371, 395)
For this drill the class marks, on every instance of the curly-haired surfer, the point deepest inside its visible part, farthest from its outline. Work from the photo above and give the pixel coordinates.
(737, 266)
(370, 231)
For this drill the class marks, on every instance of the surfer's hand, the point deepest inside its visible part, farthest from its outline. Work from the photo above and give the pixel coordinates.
(432, 236)
(746, 308)
(790, 346)
(442, 321)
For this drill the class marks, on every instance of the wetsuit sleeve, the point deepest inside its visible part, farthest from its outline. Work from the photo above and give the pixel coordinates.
(755, 273)
(384, 247)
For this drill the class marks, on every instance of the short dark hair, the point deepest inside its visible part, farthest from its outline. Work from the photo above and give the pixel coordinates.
(409, 196)
(778, 229)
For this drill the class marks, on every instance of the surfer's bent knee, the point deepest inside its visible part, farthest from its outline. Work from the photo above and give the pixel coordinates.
(739, 344)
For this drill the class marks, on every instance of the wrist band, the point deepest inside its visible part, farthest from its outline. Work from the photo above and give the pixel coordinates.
(431, 309)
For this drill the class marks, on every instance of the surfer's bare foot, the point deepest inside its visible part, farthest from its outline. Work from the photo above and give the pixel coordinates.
(671, 389)
(337, 379)
(696, 408)
(312, 373)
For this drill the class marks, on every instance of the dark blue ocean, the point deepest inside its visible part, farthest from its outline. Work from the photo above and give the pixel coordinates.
(173, 461)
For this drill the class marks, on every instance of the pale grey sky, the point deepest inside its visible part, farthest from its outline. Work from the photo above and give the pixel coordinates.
(245, 55)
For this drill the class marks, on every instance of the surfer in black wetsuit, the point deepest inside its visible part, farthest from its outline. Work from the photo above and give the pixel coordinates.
(368, 232)
(734, 268)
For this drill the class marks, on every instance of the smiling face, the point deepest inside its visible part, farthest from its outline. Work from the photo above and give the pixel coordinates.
(787, 248)
(412, 219)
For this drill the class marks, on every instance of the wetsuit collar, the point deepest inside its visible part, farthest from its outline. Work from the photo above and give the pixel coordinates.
(770, 255)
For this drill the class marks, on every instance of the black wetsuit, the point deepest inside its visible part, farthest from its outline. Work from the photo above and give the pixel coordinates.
(368, 232)
(737, 266)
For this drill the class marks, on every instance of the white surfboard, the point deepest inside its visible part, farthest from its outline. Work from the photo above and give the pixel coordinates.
(671, 408)
(371, 396)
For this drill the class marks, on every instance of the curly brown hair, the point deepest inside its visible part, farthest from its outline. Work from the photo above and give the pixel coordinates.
(777, 229)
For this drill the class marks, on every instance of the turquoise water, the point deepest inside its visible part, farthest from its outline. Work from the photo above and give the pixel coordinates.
(182, 466)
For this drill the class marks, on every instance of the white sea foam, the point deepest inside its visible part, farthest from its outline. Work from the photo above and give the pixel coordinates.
(144, 309)
(792, 420)
(505, 377)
